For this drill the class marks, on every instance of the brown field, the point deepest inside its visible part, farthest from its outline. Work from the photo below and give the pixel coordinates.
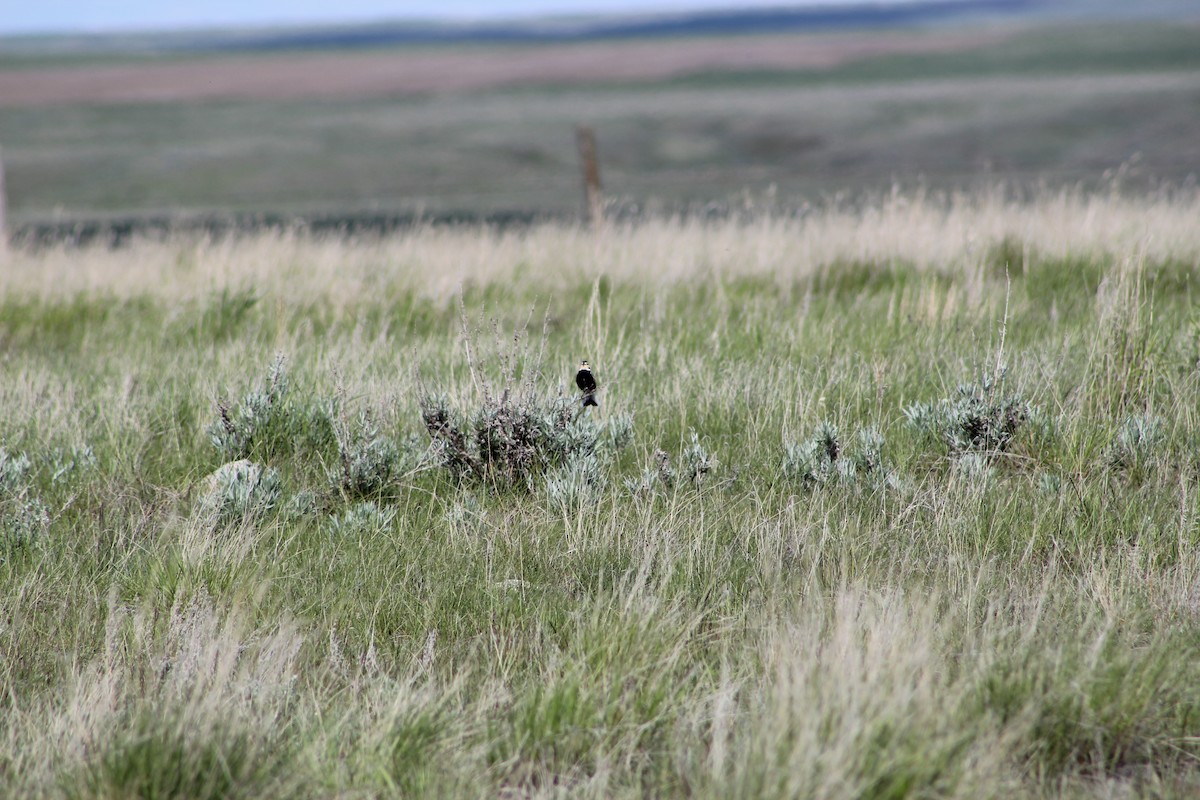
(680, 122)
(421, 70)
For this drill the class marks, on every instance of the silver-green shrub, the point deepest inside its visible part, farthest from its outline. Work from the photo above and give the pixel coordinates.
(368, 460)
(644, 484)
(823, 459)
(576, 484)
(360, 518)
(1139, 439)
(14, 473)
(23, 516)
(973, 467)
(67, 464)
(240, 491)
(697, 461)
(977, 418)
(239, 427)
(812, 461)
(514, 442)
(301, 504)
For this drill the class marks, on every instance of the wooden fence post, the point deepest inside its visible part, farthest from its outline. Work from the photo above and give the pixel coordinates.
(593, 209)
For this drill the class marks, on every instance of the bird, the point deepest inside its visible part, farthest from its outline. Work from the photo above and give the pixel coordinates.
(586, 384)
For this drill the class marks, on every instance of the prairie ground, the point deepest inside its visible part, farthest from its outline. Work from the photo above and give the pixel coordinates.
(418, 70)
(679, 121)
(897, 500)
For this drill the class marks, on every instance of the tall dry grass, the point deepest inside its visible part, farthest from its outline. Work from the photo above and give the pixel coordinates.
(934, 232)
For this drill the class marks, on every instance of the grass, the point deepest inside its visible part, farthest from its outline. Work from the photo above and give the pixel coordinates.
(235, 563)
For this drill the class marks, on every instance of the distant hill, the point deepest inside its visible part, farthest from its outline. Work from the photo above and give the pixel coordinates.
(765, 18)
(733, 21)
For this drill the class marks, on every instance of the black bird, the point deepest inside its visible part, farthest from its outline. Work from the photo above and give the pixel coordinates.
(586, 384)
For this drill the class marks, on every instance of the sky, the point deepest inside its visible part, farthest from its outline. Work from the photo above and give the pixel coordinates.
(89, 16)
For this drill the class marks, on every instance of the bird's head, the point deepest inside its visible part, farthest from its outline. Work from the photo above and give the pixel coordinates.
(584, 364)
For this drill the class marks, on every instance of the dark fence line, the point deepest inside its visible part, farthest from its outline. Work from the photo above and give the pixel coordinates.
(119, 231)
(116, 232)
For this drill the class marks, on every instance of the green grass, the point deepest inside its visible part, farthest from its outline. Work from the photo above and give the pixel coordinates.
(950, 622)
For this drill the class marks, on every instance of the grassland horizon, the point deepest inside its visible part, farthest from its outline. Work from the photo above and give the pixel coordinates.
(680, 121)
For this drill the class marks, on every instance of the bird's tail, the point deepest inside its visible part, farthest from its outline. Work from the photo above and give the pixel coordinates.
(589, 399)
